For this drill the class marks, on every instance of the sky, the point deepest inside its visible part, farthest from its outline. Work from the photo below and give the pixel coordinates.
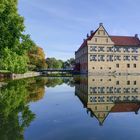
(59, 26)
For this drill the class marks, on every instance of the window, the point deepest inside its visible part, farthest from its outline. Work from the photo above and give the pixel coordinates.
(93, 67)
(98, 32)
(101, 68)
(118, 90)
(135, 57)
(93, 48)
(117, 65)
(128, 65)
(127, 58)
(135, 82)
(100, 49)
(95, 39)
(101, 58)
(128, 82)
(110, 49)
(110, 68)
(109, 57)
(117, 49)
(93, 57)
(135, 50)
(117, 82)
(95, 107)
(126, 49)
(135, 65)
(117, 57)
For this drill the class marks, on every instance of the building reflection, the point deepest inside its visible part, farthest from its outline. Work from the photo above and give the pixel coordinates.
(104, 95)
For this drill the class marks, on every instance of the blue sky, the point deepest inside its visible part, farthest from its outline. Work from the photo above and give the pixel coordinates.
(59, 26)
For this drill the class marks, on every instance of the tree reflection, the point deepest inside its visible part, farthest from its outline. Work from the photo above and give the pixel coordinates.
(15, 114)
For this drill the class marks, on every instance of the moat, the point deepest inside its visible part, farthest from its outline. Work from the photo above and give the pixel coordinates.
(70, 108)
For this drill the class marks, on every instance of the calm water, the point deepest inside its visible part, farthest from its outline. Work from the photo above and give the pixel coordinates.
(84, 108)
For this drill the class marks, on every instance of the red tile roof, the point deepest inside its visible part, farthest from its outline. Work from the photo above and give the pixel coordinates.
(125, 107)
(125, 40)
(118, 40)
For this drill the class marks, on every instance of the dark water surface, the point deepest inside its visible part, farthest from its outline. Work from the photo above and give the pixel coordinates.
(76, 108)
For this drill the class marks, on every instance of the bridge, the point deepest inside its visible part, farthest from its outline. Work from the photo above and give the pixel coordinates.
(62, 71)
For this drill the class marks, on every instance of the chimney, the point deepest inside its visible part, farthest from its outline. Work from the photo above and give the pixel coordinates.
(136, 36)
(87, 35)
(91, 32)
(100, 24)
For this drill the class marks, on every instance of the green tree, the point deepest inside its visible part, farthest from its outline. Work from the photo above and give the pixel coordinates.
(13, 101)
(70, 63)
(13, 62)
(14, 45)
(54, 63)
(11, 27)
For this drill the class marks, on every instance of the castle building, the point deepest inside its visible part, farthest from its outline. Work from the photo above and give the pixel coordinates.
(104, 95)
(104, 53)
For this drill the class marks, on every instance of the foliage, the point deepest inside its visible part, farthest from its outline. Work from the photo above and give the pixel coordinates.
(15, 114)
(52, 82)
(36, 58)
(13, 101)
(13, 62)
(12, 51)
(14, 45)
(54, 63)
(70, 63)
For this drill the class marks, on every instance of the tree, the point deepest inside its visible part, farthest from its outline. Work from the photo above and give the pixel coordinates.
(54, 63)
(36, 58)
(14, 45)
(12, 50)
(13, 62)
(13, 101)
(70, 63)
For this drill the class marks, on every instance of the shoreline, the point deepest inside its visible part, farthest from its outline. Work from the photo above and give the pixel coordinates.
(19, 76)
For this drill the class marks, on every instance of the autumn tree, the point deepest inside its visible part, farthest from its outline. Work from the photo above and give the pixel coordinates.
(36, 58)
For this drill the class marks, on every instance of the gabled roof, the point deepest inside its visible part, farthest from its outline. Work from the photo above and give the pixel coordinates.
(85, 41)
(118, 40)
(125, 40)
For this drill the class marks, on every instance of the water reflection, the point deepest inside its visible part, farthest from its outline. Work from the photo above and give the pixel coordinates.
(15, 96)
(104, 95)
(48, 107)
